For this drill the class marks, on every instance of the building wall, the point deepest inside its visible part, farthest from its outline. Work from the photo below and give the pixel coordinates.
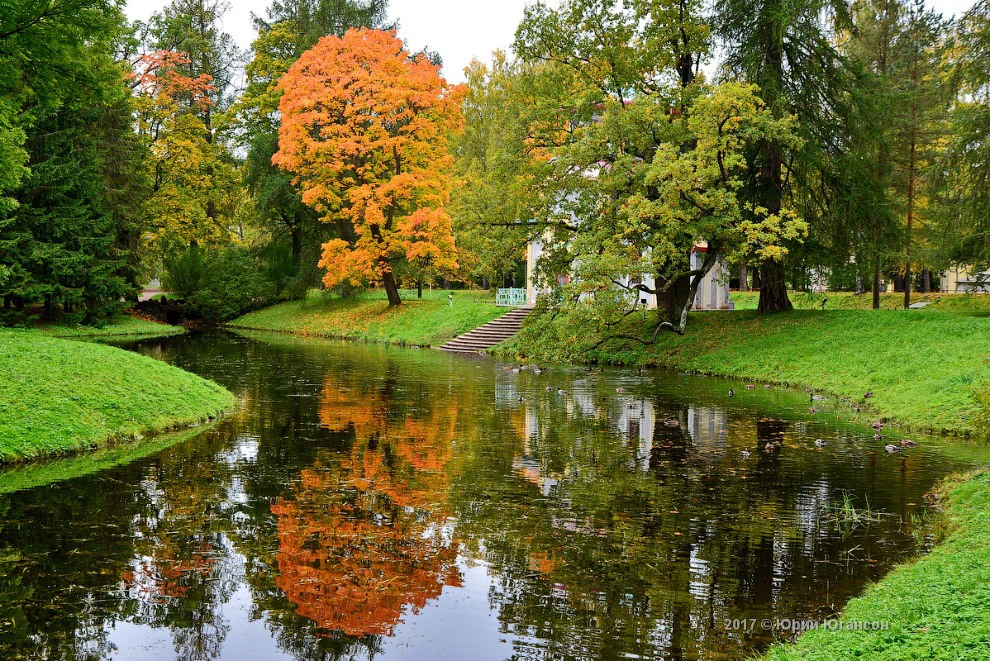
(713, 292)
(962, 280)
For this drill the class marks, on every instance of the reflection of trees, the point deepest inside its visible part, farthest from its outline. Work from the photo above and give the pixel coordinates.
(365, 537)
(621, 558)
(182, 574)
(606, 531)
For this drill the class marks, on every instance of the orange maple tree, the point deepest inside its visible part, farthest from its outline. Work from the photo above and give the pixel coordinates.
(364, 130)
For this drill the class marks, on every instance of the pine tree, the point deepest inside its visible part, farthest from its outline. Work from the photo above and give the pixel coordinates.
(965, 183)
(783, 47)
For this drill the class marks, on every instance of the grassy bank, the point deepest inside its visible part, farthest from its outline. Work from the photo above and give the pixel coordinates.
(121, 324)
(888, 301)
(59, 396)
(926, 369)
(367, 317)
(937, 607)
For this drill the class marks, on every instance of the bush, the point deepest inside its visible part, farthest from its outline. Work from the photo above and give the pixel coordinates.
(231, 284)
(184, 273)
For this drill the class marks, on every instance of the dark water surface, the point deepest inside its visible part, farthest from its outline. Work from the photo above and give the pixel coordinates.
(371, 502)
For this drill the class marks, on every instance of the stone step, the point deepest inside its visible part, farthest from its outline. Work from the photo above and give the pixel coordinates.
(490, 334)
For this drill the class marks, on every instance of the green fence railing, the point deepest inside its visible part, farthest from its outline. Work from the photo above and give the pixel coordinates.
(508, 298)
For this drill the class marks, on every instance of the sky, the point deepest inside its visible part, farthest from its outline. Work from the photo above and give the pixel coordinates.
(459, 30)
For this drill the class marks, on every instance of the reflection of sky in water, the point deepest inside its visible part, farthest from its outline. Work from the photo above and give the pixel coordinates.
(588, 524)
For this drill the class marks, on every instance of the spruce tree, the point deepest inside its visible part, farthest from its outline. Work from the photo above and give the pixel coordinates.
(783, 46)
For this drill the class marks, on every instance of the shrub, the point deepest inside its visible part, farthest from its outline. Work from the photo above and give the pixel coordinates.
(184, 273)
(230, 285)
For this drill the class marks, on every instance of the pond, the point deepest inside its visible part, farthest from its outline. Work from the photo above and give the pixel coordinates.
(373, 502)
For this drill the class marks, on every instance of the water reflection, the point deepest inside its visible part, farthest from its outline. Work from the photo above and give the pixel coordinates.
(367, 502)
(364, 535)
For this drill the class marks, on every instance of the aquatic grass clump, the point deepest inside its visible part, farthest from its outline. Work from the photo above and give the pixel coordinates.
(937, 607)
(60, 396)
(847, 517)
(847, 512)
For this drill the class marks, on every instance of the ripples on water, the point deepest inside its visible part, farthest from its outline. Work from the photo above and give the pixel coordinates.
(367, 502)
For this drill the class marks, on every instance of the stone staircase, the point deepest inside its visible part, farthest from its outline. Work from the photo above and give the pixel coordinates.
(490, 334)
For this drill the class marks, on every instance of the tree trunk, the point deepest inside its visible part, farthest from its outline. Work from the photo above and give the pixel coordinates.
(876, 285)
(296, 248)
(391, 290)
(926, 281)
(773, 290)
(419, 287)
(743, 278)
(773, 293)
(674, 299)
(910, 224)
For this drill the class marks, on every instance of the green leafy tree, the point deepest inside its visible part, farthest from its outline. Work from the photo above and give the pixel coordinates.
(42, 43)
(498, 182)
(964, 182)
(645, 160)
(192, 62)
(67, 238)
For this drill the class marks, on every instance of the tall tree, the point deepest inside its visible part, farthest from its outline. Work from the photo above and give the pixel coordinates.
(180, 160)
(498, 182)
(643, 158)
(865, 169)
(783, 47)
(65, 235)
(192, 29)
(42, 43)
(364, 130)
(919, 118)
(290, 29)
(964, 178)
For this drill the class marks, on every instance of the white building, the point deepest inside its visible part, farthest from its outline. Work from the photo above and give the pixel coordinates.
(713, 292)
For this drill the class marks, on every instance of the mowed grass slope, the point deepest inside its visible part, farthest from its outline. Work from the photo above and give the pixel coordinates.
(121, 324)
(937, 607)
(59, 396)
(367, 317)
(927, 369)
(843, 300)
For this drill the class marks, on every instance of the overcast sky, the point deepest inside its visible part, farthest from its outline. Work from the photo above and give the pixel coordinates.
(459, 30)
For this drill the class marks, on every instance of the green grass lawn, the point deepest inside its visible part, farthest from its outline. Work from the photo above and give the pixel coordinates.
(927, 369)
(367, 317)
(59, 396)
(937, 607)
(120, 324)
(843, 300)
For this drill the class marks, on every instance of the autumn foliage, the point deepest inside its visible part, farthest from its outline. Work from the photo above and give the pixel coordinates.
(364, 131)
(184, 165)
(365, 537)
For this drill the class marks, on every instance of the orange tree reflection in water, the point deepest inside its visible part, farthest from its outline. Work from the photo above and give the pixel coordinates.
(365, 537)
